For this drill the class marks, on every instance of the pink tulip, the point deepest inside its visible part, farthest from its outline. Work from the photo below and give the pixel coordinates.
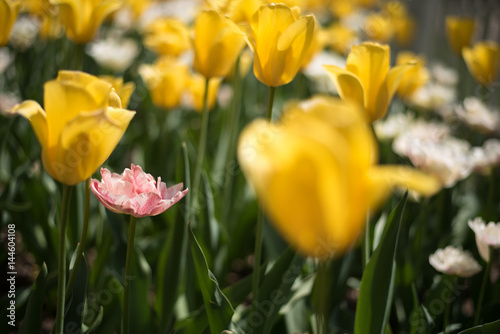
(135, 192)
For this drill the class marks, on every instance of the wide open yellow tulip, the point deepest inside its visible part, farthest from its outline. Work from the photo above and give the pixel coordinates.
(82, 18)
(459, 32)
(217, 44)
(165, 79)
(8, 15)
(82, 123)
(367, 78)
(415, 77)
(315, 176)
(280, 40)
(482, 61)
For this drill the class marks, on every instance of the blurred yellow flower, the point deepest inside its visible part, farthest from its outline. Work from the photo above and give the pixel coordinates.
(280, 40)
(82, 18)
(482, 61)
(315, 174)
(459, 32)
(166, 80)
(82, 123)
(167, 36)
(195, 89)
(341, 38)
(124, 90)
(367, 78)
(8, 15)
(237, 10)
(379, 27)
(415, 77)
(342, 8)
(217, 44)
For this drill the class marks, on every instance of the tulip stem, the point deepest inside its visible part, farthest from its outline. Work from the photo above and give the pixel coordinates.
(367, 242)
(202, 145)
(83, 238)
(128, 269)
(483, 288)
(270, 102)
(446, 317)
(61, 259)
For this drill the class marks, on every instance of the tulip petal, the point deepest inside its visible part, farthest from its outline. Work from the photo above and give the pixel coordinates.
(348, 85)
(32, 111)
(89, 137)
(291, 33)
(387, 90)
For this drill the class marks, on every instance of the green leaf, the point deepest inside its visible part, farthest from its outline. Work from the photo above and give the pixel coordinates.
(218, 308)
(172, 259)
(32, 322)
(489, 328)
(140, 289)
(74, 315)
(377, 283)
(275, 291)
(97, 322)
(418, 321)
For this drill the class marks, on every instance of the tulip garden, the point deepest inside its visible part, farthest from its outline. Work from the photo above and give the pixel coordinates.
(246, 166)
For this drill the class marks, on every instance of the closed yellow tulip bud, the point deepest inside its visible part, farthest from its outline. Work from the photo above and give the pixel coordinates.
(415, 77)
(124, 90)
(167, 36)
(195, 89)
(82, 123)
(459, 32)
(8, 15)
(315, 174)
(280, 40)
(166, 80)
(367, 78)
(217, 44)
(82, 18)
(482, 61)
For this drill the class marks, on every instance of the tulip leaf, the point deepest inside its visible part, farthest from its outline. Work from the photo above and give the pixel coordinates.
(97, 322)
(377, 284)
(74, 315)
(172, 259)
(218, 308)
(32, 322)
(275, 291)
(489, 328)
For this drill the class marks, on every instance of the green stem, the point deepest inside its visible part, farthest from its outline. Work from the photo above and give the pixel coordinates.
(128, 269)
(202, 145)
(260, 222)
(447, 309)
(79, 57)
(491, 193)
(83, 238)
(483, 288)
(367, 245)
(61, 259)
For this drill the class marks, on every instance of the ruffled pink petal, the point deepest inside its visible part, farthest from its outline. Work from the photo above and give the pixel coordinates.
(143, 204)
(167, 203)
(170, 192)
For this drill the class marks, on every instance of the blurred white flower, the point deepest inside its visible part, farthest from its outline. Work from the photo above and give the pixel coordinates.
(444, 75)
(487, 156)
(476, 114)
(113, 53)
(24, 32)
(184, 10)
(315, 72)
(5, 59)
(454, 261)
(486, 235)
(7, 102)
(430, 148)
(393, 125)
(433, 96)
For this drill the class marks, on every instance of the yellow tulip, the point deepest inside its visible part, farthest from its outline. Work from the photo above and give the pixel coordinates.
(404, 29)
(415, 77)
(166, 80)
(279, 39)
(482, 61)
(367, 78)
(319, 40)
(342, 8)
(82, 18)
(315, 174)
(123, 90)
(341, 38)
(195, 89)
(82, 123)
(459, 32)
(379, 27)
(167, 36)
(8, 15)
(217, 44)
(237, 10)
